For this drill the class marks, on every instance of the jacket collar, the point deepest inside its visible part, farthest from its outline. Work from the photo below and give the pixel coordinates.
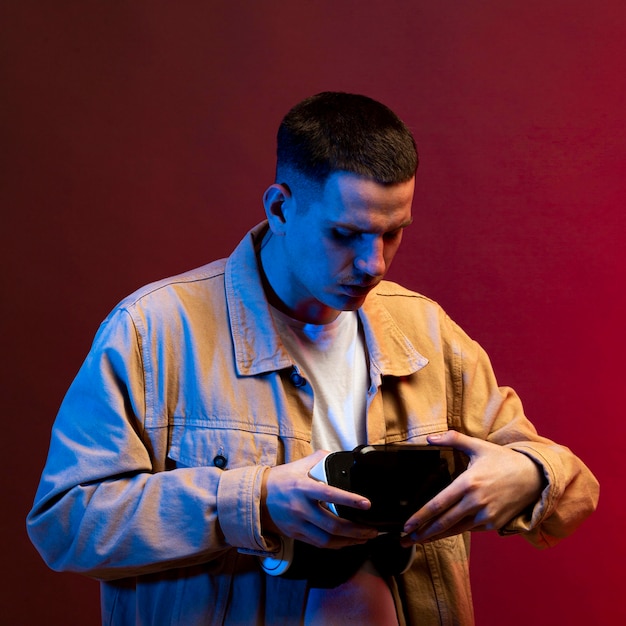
(256, 342)
(391, 352)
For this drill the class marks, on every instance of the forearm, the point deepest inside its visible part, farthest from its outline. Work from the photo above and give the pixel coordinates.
(147, 522)
(131, 525)
(570, 495)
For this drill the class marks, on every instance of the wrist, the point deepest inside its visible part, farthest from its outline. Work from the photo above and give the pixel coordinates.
(268, 527)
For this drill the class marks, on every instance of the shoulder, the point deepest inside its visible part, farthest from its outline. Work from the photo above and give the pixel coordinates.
(201, 278)
(418, 315)
(185, 287)
(192, 294)
(392, 295)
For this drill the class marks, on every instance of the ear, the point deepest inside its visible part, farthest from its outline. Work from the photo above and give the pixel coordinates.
(276, 199)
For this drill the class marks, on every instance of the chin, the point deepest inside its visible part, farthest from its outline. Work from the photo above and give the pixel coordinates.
(351, 304)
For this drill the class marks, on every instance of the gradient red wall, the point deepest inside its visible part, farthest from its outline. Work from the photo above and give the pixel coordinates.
(137, 139)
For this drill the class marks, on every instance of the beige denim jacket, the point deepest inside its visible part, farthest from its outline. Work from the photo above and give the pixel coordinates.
(153, 478)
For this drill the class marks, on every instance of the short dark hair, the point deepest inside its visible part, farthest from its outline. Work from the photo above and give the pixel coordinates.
(336, 131)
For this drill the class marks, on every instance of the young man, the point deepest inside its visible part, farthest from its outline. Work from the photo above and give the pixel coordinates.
(181, 453)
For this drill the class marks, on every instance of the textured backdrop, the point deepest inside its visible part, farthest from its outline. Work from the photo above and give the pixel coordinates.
(137, 139)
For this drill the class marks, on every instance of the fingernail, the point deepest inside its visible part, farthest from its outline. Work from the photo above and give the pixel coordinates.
(412, 538)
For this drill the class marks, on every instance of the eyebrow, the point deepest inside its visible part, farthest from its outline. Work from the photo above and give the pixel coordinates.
(356, 229)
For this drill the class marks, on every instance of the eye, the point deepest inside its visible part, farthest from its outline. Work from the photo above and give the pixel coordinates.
(343, 234)
(392, 235)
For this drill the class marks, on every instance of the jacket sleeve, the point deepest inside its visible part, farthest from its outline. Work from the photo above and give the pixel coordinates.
(104, 507)
(495, 414)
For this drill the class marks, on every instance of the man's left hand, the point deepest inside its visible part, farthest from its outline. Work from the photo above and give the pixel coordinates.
(498, 485)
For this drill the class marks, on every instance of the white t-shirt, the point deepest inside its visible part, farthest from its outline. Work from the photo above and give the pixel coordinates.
(332, 358)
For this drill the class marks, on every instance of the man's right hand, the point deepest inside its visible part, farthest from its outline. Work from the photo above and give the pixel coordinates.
(291, 506)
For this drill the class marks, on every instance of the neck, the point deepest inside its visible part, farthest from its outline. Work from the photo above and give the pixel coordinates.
(277, 288)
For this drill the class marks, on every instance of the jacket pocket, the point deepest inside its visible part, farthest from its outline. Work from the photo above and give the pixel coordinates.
(227, 446)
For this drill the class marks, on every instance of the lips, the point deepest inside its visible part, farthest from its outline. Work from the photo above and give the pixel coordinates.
(357, 291)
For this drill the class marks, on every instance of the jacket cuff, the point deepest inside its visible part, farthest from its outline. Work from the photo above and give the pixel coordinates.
(531, 517)
(239, 509)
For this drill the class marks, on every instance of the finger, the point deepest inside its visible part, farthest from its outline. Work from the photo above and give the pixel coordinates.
(470, 445)
(342, 528)
(444, 501)
(447, 528)
(322, 528)
(332, 523)
(424, 518)
(315, 511)
(427, 536)
(320, 538)
(318, 526)
(327, 493)
(439, 525)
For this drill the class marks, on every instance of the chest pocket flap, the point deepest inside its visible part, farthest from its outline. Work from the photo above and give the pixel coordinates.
(227, 446)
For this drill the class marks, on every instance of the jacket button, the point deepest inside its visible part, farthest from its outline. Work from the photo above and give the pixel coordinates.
(220, 461)
(297, 380)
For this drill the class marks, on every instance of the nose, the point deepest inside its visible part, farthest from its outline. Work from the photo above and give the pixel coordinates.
(371, 258)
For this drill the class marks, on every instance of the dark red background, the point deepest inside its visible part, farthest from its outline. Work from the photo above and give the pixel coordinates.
(138, 137)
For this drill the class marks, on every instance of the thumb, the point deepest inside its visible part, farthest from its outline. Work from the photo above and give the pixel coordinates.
(456, 440)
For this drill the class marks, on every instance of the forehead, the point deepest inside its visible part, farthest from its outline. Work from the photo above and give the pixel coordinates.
(364, 204)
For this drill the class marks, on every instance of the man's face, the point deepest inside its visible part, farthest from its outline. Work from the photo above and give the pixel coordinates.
(338, 244)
